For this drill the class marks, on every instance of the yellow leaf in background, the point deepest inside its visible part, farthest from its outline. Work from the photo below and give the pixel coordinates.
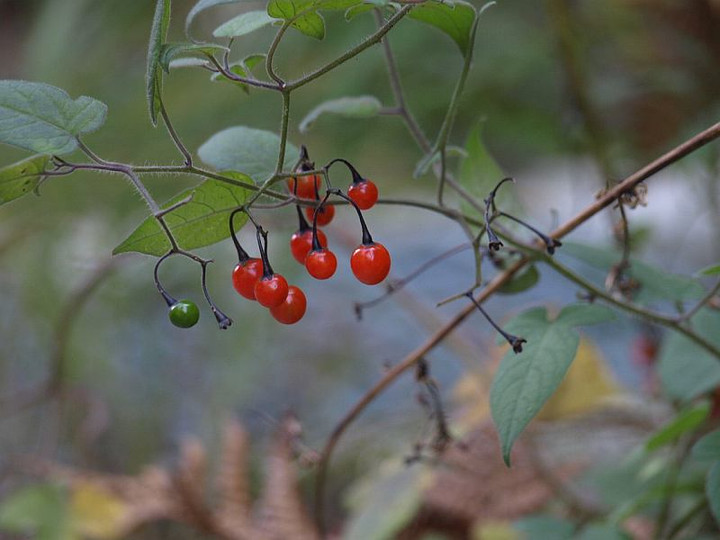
(494, 530)
(97, 513)
(587, 384)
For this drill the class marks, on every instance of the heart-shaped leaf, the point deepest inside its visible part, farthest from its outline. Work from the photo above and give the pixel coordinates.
(44, 118)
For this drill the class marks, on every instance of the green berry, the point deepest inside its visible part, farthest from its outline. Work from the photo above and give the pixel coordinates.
(184, 314)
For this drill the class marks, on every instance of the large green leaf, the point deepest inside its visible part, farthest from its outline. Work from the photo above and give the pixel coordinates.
(201, 222)
(708, 447)
(542, 527)
(712, 490)
(686, 369)
(688, 420)
(40, 510)
(480, 173)
(243, 24)
(311, 23)
(252, 151)
(655, 283)
(21, 178)
(171, 51)
(202, 5)
(525, 381)
(455, 19)
(352, 107)
(44, 118)
(154, 76)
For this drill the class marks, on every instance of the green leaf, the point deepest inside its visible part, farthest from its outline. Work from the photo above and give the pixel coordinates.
(202, 5)
(387, 503)
(243, 24)
(352, 107)
(201, 222)
(480, 173)
(656, 284)
(187, 62)
(21, 178)
(712, 490)
(542, 527)
(153, 77)
(45, 119)
(521, 282)
(170, 51)
(686, 369)
(686, 421)
(241, 69)
(252, 151)
(40, 510)
(525, 381)
(601, 531)
(711, 270)
(708, 447)
(456, 20)
(428, 160)
(311, 23)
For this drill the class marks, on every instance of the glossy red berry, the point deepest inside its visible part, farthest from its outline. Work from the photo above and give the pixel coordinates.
(301, 243)
(370, 263)
(325, 215)
(321, 264)
(271, 291)
(292, 309)
(364, 194)
(307, 186)
(245, 275)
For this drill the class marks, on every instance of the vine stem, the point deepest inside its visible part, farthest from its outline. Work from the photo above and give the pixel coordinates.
(173, 134)
(366, 43)
(682, 150)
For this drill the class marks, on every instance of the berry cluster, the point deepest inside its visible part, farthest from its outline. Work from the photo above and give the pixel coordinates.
(254, 278)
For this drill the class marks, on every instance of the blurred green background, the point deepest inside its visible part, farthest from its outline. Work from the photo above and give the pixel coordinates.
(140, 384)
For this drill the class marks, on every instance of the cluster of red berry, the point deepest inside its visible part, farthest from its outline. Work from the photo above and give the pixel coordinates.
(254, 279)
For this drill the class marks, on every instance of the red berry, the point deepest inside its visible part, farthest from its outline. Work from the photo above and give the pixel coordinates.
(364, 194)
(321, 264)
(370, 263)
(245, 275)
(307, 186)
(293, 307)
(301, 243)
(271, 291)
(325, 215)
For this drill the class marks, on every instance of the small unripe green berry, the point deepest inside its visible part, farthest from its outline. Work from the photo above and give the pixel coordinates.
(184, 314)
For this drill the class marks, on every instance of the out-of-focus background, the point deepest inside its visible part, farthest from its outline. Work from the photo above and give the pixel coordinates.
(136, 386)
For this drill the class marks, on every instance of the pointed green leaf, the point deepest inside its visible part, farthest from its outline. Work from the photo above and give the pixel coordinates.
(521, 282)
(243, 24)
(252, 151)
(686, 369)
(686, 421)
(170, 51)
(711, 270)
(187, 62)
(311, 23)
(21, 178)
(201, 222)
(656, 284)
(44, 118)
(352, 107)
(525, 381)
(455, 19)
(153, 77)
(708, 447)
(202, 5)
(712, 490)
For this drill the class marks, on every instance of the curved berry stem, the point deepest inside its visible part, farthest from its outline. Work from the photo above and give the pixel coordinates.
(303, 225)
(366, 237)
(494, 242)
(550, 243)
(169, 300)
(223, 320)
(262, 240)
(357, 177)
(315, 240)
(514, 341)
(242, 254)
